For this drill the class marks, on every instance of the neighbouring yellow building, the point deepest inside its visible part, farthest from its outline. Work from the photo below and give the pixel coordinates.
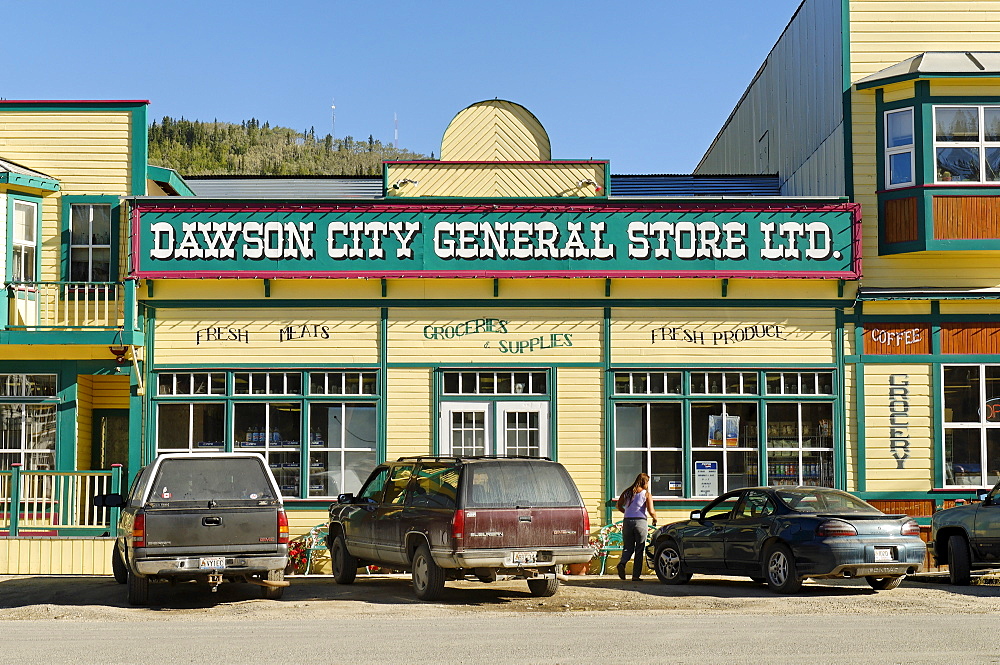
(830, 321)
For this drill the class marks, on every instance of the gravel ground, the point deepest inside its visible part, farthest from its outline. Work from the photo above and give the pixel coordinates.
(29, 598)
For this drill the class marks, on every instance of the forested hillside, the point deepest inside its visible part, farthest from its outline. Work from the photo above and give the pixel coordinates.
(220, 148)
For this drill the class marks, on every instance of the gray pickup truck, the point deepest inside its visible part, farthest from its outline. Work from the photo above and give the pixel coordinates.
(207, 517)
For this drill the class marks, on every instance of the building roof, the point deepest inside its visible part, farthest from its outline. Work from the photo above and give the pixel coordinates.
(12, 173)
(936, 63)
(368, 187)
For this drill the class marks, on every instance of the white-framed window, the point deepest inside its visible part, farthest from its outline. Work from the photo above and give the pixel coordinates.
(966, 144)
(899, 153)
(28, 428)
(495, 422)
(971, 417)
(90, 243)
(24, 243)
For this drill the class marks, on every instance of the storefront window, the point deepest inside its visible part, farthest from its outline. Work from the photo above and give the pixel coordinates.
(694, 444)
(967, 143)
(27, 429)
(971, 424)
(315, 446)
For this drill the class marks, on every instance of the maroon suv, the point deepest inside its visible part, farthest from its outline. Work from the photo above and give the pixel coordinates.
(449, 518)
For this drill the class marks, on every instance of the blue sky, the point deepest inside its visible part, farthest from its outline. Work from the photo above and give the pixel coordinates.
(644, 84)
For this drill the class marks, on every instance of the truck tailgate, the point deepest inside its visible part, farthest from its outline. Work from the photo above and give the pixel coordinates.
(524, 527)
(205, 530)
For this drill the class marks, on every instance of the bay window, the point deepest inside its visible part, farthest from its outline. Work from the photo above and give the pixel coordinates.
(967, 144)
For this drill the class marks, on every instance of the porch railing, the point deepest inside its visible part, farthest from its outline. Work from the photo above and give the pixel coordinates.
(56, 502)
(70, 305)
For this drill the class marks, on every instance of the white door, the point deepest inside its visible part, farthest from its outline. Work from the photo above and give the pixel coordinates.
(523, 429)
(495, 428)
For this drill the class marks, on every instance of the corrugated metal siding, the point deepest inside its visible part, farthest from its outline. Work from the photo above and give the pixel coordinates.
(694, 185)
(495, 130)
(332, 187)
(789, 120)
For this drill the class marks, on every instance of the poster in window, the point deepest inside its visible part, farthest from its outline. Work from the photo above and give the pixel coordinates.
(716, 430)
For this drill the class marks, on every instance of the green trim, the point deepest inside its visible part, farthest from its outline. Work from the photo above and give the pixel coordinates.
(839, 409)
(44, 184)
(937, 425)
(554, 412)
(925, 77)
(457, 303)
(861, 462)
(169, 177)
(66, 225)
(139, 152)
(69, 336)
(607, 385)
(381, 409)
(847, 111)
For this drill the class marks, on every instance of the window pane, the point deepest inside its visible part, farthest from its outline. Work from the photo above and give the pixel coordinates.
(992, 164)
(960, 164)
(359, 426)
(956, 124)
(173, 426)
(782, 425)
(992, 456)
(991, 123)
(817, 425)
(817, 468)
(741, 469)
(24, 222)
(665, 425)
(630, 426)
(963, 463)
(628, 464)
(80, 225)
(961, 394)
(900, 168)
(899, 129)
(667, 473)
(992, 412)
(101, 228)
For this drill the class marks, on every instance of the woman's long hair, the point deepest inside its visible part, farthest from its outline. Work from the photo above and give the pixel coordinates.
(641, 483)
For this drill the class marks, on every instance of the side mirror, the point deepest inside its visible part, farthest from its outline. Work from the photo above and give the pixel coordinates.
(109, 501)
(984, 497)
(345, 498)
(696, 515)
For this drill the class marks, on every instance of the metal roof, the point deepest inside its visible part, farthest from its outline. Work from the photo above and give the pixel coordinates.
(927, 293)
(694, 185)
(12, 167)
(309, 187)
(947, 63)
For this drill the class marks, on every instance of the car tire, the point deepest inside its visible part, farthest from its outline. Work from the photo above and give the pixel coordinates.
(428, 577)
(138, 589)
(667, 564)
(959, 561)
(884, 583)
(274, 592)
(779, 567)
(342, 563)
(118, 568)
(543, 587)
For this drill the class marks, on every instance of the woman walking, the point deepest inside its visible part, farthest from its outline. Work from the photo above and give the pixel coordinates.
(635, 502)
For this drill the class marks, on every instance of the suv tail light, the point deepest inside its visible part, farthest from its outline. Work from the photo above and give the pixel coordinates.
(282, 527)
(911, 528)
(139, 530)
(458, 525)
(832, 528)
(586, 522)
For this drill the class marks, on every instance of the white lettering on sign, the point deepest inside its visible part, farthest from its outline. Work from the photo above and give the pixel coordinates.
(704, 240)
(520, 240)
(897, 337)
(217, 240)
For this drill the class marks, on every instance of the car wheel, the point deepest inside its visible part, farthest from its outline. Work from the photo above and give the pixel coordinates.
(668, 565)
(118, 568)
(543, 587)
(959, 561)
(884, 583)
(428, 577)
(779, 566)
(138, 589)
(274, 592)
(343, 564)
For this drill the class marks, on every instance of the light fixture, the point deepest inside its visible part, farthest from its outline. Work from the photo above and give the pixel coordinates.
(591, 182)
(405, 181)
(119, 352)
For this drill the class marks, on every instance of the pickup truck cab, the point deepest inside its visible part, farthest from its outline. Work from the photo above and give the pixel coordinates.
(208, 517)
(967, 537)
(456, 517)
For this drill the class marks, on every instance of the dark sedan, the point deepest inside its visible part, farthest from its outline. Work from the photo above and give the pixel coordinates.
(784, 535)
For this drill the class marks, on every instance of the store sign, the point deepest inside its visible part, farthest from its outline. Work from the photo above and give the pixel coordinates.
(897, 339)
(899, 418)
(392, 240)
(706, 478)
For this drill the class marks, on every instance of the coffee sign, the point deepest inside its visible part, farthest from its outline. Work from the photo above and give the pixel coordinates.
(382, 239)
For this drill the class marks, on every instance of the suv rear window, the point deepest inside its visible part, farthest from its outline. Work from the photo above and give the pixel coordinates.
(204, 480)
(518, 484)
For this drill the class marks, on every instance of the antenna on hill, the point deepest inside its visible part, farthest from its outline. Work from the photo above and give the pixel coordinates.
(333, 118)
(395, 139)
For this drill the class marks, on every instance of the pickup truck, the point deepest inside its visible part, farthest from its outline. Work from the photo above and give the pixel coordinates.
(207, 517)
(967, 538)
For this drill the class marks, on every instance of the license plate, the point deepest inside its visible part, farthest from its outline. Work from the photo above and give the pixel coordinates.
(885, 554)
(214, 562)
(523, 558)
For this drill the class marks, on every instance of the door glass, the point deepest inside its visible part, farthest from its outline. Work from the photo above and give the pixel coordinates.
(435, 487)
(468, 432)
(723, 510)
(372, 491)
(395, 489)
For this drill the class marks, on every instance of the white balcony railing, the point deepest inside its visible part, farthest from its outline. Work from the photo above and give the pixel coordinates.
(65, 305)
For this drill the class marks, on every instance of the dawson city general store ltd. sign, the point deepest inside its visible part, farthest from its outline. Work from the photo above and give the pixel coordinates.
(455, 240)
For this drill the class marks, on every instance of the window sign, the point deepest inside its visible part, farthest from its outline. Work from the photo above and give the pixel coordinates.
(706, 478)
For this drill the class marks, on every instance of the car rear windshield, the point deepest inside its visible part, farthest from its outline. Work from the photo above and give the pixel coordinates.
(518, 484)
(239, 479)
(804, 500)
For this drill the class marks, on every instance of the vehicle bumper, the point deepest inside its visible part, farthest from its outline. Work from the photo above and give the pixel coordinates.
(191, 566)
(502, 558)
(836, 557)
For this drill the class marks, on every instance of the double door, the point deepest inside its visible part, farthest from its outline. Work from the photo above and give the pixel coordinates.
(495, 428)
